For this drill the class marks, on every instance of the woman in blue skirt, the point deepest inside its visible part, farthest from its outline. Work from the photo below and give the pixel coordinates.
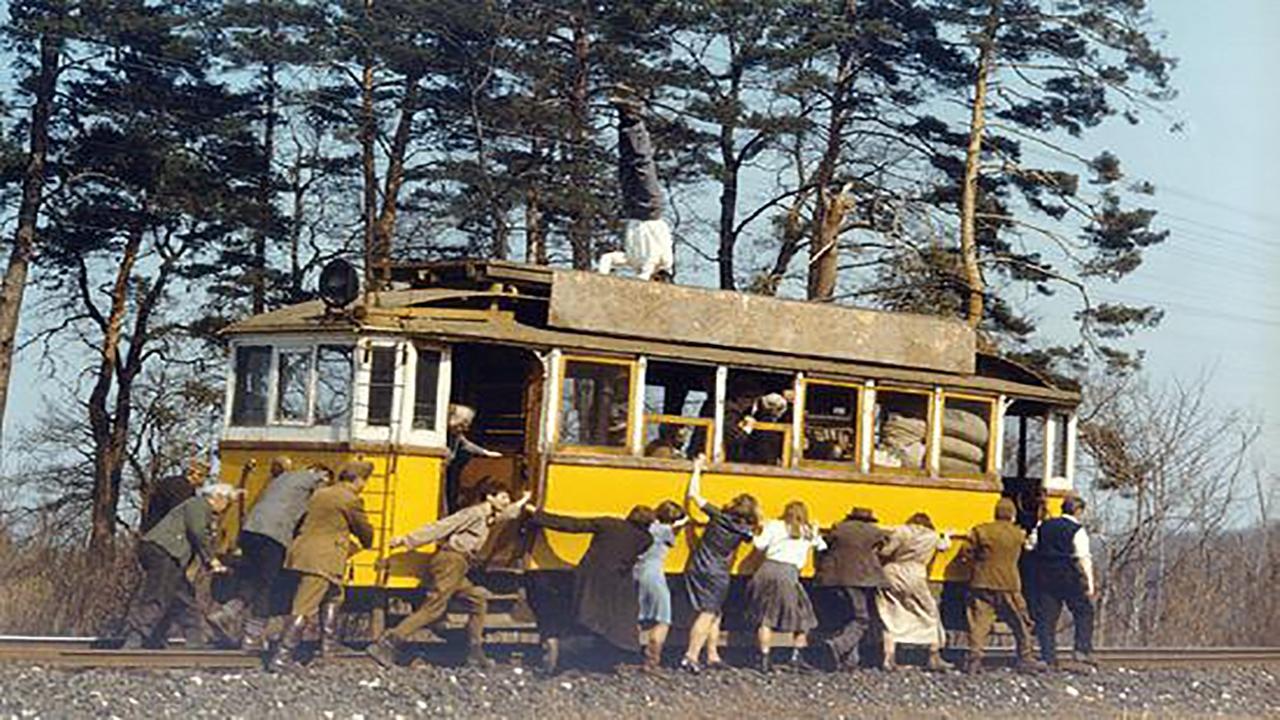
(651, 582)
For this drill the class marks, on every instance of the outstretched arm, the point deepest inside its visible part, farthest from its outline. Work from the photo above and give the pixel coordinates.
(475, 449)
(694, 492)
(512, 511)
(564, 523)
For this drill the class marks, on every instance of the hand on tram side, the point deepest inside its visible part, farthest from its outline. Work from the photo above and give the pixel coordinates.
(216, 567)
(700, 462)
(397, 542)
(251, 463)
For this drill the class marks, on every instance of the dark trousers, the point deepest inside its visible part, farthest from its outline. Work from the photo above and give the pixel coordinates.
(1008, 605)
(856, 606)
(447, 577)
(261, 561)
(165, 595)
(1058, 584)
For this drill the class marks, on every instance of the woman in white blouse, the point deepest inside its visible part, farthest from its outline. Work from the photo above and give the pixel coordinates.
(776, 600)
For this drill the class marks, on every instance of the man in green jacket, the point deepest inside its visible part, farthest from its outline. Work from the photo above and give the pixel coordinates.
(184, 534)
(995, 589)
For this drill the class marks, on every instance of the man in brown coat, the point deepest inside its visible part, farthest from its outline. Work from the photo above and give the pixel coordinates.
(995, 589)
(319, 555)
(850, 572)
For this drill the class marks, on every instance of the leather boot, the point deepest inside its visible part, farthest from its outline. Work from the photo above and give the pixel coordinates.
(477, 659)
(283, 656)
(226, 621)
(328, 631)
(386, 651)
(255, 636)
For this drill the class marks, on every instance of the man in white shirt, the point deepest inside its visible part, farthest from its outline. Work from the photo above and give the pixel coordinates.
(1064, 572)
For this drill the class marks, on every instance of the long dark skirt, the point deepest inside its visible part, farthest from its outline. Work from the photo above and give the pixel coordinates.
(776, 599)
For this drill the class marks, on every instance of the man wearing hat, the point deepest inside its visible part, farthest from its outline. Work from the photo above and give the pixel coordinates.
(850, 571)
(319, 555)
(183, 535)
(268, 530)
(995, 587)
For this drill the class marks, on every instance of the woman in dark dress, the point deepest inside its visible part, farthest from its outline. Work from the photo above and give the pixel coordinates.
(604, 605)
(707, 576)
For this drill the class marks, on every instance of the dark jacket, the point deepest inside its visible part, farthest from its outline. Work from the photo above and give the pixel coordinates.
(995, 548)
(186, 531)
(851, 559)
(604, 592)
(280, 506)
(167, 494)
(334, 514)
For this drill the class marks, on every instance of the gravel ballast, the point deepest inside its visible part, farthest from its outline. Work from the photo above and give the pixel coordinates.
(360, 690)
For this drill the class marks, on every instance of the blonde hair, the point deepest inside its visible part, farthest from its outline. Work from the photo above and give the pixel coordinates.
(796, 516)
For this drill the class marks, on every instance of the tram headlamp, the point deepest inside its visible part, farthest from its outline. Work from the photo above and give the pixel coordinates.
(339, 283)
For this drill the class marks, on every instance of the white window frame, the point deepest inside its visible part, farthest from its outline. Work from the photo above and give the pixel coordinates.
(362, 430)
(416, 436)
(289, 431)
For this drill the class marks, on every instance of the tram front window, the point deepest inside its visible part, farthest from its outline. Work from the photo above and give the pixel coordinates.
(334, 376)
(382, 385)
(594, 404)
(293, 381)
(253, 376)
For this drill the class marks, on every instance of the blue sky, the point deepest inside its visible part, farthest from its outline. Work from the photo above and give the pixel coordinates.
(1217, 187)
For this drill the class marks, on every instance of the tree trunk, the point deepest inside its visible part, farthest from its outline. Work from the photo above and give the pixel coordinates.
(108, 450)
(828, 215)
(832, 210)
(535, 235)
(385, 228)
(973, 159)
(728, 207)
(258, 277)
(15, 276)
(580, 225)
(372, 262)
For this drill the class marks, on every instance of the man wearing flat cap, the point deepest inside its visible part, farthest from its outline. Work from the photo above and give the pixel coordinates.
(850, 571)
(995, 587)
(319, 554)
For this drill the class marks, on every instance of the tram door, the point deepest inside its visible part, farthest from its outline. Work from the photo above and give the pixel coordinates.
(504, 386)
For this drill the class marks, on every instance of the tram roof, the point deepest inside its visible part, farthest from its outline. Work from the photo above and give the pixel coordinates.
(542, 307)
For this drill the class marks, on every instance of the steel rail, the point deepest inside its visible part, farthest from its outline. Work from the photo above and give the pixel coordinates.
(81, 652)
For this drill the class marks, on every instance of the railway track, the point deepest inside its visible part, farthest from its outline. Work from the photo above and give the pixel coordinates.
(84, 652)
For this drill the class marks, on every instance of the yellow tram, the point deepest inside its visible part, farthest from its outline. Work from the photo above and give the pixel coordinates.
(596, 390)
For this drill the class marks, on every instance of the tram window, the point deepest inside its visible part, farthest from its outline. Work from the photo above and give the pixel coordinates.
(293, 385)
(334, 377)
(1058, 466)
(679, 409)
(594, 404)
(382, 385)
(1024, 438)
(966, 436)
(757, 417)
(830, 422)
(253, 375)
(901, 429)
(425, 381)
